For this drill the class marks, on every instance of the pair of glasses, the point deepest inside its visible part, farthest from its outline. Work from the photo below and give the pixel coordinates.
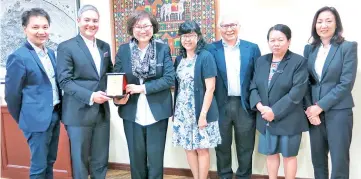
(226, 26)
(188, 36)
(145, 27)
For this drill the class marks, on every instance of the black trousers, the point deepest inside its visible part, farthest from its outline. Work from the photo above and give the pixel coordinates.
(146, 148)
(332, 135)
(232, 115)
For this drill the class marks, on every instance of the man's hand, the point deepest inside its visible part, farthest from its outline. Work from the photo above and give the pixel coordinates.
(100, 97)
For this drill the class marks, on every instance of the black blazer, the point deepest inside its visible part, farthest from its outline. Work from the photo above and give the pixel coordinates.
(338, 76)
(157, 88)
(205, 67)
(78, 78)
(284, 94)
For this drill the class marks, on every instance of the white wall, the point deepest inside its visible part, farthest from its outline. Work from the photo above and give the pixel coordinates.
(256, 17)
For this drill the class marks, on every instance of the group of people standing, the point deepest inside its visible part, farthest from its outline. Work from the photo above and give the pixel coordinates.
(219, 87)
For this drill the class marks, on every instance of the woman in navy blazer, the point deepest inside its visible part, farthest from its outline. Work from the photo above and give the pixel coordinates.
(145, 109)
(277, 89)
(195, 126)
(332, 65)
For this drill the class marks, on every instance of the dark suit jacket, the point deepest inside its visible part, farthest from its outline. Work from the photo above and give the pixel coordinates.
(157, 88)
(338, 76)
(79, 78)
(28, 91)
(249, 53)
(284, 94)
(205, 67)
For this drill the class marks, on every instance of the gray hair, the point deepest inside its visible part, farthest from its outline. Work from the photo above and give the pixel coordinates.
(228, 16)
(87, 7)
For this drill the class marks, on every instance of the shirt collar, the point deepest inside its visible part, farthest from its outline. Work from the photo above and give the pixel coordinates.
(89, 42)
(228, 46)
(38, 50)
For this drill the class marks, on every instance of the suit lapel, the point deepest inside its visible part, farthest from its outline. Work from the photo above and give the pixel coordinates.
(244, 58)
(312, 57)
(101, 52)
(329, 58)
(131, 79)
(278, 72)
(221, 62)
(35, 56)
(86, 51)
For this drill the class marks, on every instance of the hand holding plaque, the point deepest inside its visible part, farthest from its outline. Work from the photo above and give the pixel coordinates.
(116, 83)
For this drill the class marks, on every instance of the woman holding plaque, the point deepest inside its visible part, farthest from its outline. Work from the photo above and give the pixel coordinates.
(332, 64)
(195, 126)
(146, 107)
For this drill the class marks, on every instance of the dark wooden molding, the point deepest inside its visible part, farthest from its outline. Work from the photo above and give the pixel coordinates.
(180, 171)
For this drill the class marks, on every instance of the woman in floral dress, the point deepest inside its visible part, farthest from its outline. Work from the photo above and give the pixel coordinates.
(195, 126)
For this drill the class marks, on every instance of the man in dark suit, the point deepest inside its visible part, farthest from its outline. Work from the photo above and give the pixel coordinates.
(32, 93)
(83, 62)
(234, 58)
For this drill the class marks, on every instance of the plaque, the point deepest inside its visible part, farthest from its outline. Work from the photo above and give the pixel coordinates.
(116, 83)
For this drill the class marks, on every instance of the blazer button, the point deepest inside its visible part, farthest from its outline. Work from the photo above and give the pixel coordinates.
(197, 89)
(51, 105)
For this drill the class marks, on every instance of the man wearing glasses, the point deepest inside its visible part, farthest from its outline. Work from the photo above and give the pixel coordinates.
(234, 58)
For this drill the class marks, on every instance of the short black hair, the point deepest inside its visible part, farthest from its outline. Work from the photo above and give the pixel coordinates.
(34, 12)
(282, 28)
(189, 27)
(138, 15)
(337, 36)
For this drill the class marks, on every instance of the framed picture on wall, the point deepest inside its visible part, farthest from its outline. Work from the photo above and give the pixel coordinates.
(170, 14)
(62, 27)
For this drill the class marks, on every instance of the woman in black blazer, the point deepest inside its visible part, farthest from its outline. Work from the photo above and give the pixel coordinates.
(195, 126)
(149, 70)
(277, 89)
(332, 65)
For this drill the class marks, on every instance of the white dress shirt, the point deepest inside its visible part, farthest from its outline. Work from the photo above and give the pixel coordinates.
(94, 52)
(144, 115)
(321, 59)
(232, 56)
(49, 69)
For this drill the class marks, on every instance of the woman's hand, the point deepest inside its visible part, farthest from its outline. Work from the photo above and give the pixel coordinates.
(268, 114)
(121, 101)
(202, 122)
(313, 111)
(134, 89)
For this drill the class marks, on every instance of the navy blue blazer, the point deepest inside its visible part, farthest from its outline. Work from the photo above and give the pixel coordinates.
(205, 67)
(333, 91)
(79, 78)
(158, 88)
(284, 94)
(28, 90)
(249, 53)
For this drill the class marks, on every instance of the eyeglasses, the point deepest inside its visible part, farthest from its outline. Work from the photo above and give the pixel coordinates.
(145, 27)
(188, 36)
(226, 26)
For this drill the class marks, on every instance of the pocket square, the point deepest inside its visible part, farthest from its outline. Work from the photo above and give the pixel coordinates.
(159, 65)
(106, 54)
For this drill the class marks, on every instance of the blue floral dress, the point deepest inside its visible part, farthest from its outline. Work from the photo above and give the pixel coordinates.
(186, 132)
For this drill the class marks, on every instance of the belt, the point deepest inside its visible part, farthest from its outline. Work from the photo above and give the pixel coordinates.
(57, 107)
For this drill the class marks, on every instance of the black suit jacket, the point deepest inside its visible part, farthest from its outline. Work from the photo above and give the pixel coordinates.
(338, 76)
(284, 94)
(78, 78)
(157, 88)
